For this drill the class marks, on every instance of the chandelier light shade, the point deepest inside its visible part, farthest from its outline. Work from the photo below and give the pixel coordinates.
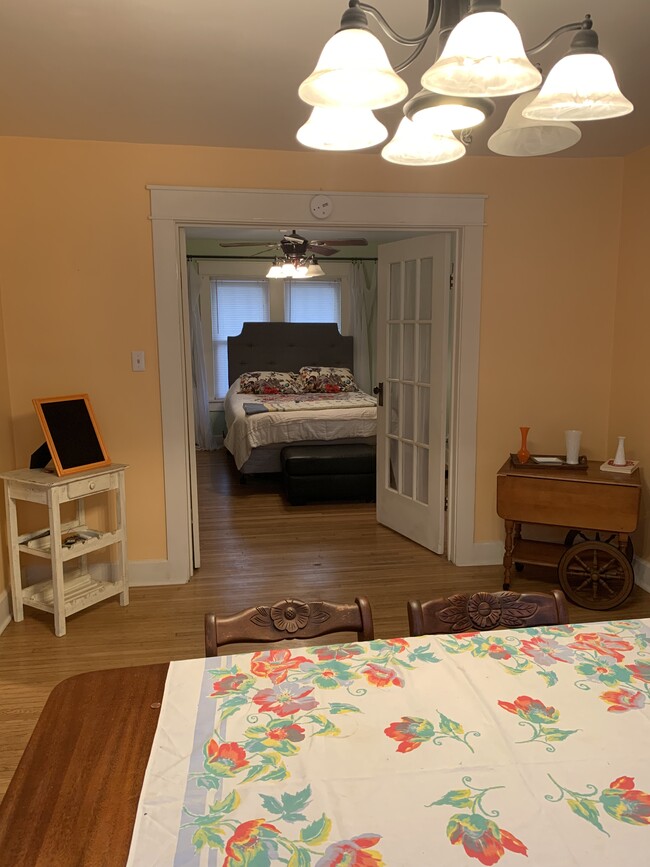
(275, 271)
(294, 269)
(521, 137)
(480, 58)
(341, 129)
(313, 268)
(435, 111)
(414, 145)
(353, 71)
(581, 86)
(484, 56)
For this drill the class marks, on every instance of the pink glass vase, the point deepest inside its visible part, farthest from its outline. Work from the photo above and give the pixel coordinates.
(523, 454)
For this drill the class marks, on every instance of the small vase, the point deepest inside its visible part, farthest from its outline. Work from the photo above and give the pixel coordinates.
(619, 460)
(523, 454)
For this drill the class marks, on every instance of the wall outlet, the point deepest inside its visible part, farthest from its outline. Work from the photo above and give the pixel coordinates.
(137, 360)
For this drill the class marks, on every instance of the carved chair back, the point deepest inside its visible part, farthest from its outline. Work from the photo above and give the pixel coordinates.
(288, 619)
(483, 612)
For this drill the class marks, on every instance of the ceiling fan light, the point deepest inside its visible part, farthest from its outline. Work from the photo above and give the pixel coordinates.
(519, 136)
(579, 87)
(353, 70)
(413, 145)
(275, 271)
(484, 56)
(341, 129)
(314, 269)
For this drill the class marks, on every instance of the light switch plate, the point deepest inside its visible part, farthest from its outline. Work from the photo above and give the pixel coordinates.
(137, 360)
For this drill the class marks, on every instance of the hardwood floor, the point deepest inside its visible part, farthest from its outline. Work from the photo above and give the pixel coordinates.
(255, 548)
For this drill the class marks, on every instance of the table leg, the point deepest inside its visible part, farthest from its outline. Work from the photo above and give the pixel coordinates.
(58, 586)
(507, 555)
(14, 557)
(622, 542)
(122, 557)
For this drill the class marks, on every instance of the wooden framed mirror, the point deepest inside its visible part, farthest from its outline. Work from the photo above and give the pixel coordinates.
(71, 433)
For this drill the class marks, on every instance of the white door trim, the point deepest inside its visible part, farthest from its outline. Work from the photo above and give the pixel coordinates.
(176, 207)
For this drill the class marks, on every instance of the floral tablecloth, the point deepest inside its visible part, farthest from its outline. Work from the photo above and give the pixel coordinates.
(527, 746)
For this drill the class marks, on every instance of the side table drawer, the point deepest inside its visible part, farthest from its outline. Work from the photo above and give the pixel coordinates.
(88, 486)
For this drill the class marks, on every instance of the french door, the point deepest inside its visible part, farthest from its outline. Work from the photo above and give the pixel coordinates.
(414, 283)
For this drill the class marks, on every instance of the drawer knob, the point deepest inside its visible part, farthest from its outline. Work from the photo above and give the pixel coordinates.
(92, 486)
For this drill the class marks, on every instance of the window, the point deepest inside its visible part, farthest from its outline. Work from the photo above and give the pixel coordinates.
(232, 303)
(312, 301)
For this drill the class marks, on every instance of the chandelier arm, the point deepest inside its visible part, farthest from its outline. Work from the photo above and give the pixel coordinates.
(433, 13)
(409, 60)
(585, 24)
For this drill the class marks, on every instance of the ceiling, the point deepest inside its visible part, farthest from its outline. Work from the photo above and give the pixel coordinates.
(204, 72)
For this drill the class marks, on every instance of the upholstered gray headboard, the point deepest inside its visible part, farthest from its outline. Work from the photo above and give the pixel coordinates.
(287, 346)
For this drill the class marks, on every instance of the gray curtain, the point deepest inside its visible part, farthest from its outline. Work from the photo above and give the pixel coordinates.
(202, 428)
(364, 322)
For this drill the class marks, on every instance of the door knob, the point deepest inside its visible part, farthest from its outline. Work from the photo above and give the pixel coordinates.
(379, 391)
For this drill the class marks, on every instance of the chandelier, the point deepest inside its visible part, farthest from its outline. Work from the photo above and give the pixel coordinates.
(294, 268)
(480, 57)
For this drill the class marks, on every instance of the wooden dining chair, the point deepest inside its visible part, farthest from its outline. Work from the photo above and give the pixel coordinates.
(482, 612)
(289, 619)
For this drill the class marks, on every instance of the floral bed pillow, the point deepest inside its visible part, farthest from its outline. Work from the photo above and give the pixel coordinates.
(327, 379)
(270, 382)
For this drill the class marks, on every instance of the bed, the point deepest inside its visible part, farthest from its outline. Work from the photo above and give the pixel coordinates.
(256, 437)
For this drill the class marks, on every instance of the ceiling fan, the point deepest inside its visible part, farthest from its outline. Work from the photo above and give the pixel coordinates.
(294, 246)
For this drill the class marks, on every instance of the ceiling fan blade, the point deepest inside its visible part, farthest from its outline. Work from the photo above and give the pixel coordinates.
(344, 242)
(322, 249)
(247, 244)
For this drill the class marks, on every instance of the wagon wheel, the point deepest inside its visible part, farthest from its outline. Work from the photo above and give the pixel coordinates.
(595, 575)
(574, 536)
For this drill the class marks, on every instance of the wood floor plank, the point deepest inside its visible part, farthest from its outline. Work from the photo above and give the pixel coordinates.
(254, 548)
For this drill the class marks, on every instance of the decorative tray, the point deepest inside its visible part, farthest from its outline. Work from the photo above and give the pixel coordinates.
(550, 462)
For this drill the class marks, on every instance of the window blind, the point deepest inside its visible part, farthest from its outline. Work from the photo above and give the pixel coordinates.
(313, 301)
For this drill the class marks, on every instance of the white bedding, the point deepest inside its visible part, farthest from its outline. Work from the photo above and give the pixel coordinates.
(246, 433)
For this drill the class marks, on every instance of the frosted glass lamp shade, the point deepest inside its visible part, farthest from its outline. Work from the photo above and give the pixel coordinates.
(314, 269)
(448, 116)
(579, 87)
(275, 271)
(353, 71)
(341, 129)
(484, 56)
(521, 137)
(414, 145)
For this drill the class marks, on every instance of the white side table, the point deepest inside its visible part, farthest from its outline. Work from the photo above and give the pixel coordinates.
(62, 542)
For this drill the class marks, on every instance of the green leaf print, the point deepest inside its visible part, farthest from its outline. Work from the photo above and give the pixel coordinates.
(299, 858)
(449, 727)
(586, 810)
(553, 734)
(549, 676)
(339, 707)
(460, 798)
(317, 832)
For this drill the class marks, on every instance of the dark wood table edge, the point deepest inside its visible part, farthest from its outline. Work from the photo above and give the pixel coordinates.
(96, 727)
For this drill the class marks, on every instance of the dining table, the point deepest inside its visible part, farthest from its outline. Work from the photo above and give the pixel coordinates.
(521, 746)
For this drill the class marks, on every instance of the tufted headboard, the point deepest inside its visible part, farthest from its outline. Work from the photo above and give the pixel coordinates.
(287, 346)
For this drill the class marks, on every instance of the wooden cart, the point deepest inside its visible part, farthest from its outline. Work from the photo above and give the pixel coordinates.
(601, 509)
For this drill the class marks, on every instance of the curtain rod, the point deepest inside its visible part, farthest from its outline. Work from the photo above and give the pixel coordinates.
(272, 258)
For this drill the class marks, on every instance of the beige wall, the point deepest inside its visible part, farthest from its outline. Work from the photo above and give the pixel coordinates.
(630, 407)
(78, 296)
(6, 448)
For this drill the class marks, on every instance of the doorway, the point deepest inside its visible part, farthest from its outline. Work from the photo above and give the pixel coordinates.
(175, 208)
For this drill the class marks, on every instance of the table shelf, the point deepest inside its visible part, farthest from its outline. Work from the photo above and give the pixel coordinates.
(76, 587)
(538, 553)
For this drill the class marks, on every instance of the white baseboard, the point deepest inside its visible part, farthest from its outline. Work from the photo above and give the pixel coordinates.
(5, 611)
(481, 554)
(150, 573)
(642, 573)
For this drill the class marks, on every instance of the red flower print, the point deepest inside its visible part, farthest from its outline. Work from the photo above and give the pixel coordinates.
(622, 700)
(293, 733)
(229, 683)
(224, 759)
(379, 675)
(252, 842)
(352, 853)
(343, 651)
(640, 671)
(603, 644)
(286, 699)
(398, 644)
(275, 664)
(411, 733)
(481, 838)
(625, 803)
(330, 388)
(269, 389)
(531, 709)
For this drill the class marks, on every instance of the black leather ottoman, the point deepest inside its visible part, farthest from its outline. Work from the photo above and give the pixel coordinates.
(336, 472)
